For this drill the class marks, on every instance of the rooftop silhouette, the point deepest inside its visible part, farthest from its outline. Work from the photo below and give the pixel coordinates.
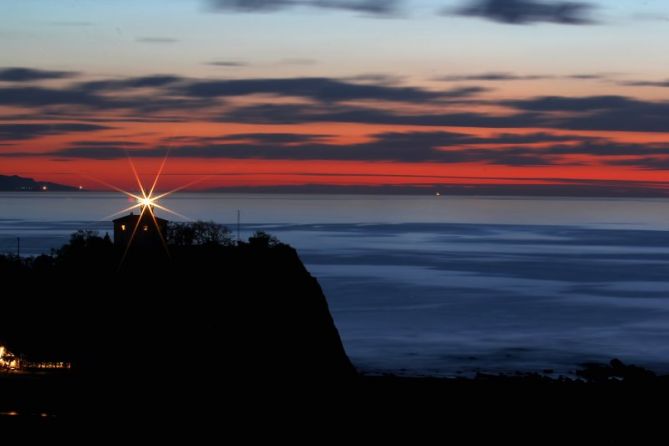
(145, 231)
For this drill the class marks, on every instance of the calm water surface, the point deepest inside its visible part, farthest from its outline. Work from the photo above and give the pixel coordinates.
(441, 285)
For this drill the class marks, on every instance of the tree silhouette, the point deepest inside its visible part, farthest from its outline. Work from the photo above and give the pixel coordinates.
(85, 248)
(198, 233)
(261, 239)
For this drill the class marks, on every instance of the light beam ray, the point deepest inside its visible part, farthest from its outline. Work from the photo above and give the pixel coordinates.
(160, 234)
(134, 172)
(109, 217)
(180, 188)
(147, 202)
(162, 208)
(160, 171)
(132, 237)
(118, 189)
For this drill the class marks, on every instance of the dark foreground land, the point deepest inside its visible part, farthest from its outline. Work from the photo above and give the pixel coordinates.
(199, 405)
(216, 331)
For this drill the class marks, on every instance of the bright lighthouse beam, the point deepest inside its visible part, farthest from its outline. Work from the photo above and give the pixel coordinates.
(146, 201)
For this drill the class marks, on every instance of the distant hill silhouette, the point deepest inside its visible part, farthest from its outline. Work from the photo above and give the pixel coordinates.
(17, 183)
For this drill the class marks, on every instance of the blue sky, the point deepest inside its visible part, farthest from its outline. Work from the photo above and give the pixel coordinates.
(100, 36)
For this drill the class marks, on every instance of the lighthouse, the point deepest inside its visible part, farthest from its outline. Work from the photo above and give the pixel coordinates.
(144, 231)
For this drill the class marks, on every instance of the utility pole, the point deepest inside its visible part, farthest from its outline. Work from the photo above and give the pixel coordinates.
(18, 246)
(239, 218)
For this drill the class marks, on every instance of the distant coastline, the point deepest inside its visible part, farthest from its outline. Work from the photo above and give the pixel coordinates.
(15, 183)
(604, 190)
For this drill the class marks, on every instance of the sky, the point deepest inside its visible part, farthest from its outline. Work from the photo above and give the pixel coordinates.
(521, 96)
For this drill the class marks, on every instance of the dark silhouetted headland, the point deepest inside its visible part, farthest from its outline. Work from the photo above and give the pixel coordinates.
(211, 320)
(17, 183)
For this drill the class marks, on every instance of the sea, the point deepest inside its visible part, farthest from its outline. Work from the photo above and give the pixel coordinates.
(439, 285)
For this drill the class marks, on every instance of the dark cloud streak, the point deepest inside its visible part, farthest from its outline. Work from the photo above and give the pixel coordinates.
(410, 147)
(40, 96)
(660, 84)
(155, 81)
(29, 131)
(227, 64)
(378, 100)
(21, 74)
(492, 77)
(373, 7)
(523, 12)
(319, 89)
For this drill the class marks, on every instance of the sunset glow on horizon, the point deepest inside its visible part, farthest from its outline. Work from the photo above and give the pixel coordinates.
(386, 95)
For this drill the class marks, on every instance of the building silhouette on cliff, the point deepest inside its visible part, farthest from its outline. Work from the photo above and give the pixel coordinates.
(145, 231)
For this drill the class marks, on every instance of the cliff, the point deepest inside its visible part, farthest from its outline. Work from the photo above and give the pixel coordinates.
(209, 321)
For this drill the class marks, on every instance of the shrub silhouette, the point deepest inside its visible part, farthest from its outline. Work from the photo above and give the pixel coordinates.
(261, 239)
(198, 233)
